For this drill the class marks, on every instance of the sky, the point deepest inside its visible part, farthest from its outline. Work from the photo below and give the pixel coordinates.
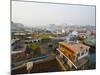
(36, 14)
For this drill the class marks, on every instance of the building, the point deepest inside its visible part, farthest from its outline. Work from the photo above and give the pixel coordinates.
(20, 35)
(73, 53)
(14, 44)
(74, 33)
(91, 41)
(46, 65)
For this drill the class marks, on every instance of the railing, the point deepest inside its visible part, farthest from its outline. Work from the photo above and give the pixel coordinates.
(40, 57)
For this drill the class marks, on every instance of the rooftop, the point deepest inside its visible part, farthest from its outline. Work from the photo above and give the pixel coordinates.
(19, 33)
(13, 40)
(40, 67)
(15, 52)
(74, 46)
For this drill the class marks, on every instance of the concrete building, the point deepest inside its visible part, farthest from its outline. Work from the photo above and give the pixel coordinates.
(73, 53)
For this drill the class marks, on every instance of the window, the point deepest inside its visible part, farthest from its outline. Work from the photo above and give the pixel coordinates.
(82, 53)
(86, 50)
(78, 55)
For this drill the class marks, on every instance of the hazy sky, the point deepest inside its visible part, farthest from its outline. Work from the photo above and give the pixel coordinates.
(31, 13)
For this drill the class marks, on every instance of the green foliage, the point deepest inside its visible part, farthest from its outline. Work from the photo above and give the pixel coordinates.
(35, 46)
(45, 36)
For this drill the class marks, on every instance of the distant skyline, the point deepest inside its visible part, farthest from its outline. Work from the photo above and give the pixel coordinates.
(36, 14)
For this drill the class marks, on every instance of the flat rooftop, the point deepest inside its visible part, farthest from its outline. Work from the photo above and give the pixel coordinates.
(13, 40)
(74, 46)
